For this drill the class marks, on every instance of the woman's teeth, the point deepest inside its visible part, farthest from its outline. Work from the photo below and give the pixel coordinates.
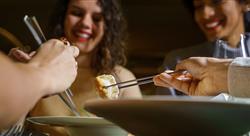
(212, 25)
(85, 36)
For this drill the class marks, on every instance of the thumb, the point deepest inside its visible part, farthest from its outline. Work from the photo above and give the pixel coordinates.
(32, 53)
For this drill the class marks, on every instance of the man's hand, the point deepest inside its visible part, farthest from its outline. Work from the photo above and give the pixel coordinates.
(209, 76)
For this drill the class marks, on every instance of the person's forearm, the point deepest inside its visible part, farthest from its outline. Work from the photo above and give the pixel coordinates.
(50, 71)
(21, 87)
(239, 77)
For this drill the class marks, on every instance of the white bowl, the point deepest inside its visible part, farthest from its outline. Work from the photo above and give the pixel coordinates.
(168, 116)
(81, 126)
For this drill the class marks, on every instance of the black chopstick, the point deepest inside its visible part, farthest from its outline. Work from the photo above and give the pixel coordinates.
(150, 80)
(140, 81)
(134, 80)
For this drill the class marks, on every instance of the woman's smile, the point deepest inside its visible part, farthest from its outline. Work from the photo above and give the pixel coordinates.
(82, 36)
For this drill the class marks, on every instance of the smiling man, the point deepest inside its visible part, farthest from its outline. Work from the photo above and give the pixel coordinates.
(218, 19)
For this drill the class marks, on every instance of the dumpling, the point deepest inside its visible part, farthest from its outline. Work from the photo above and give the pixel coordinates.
(110, 92)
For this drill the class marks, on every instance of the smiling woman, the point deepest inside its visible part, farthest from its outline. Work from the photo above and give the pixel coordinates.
(92, 23)
(97, 28)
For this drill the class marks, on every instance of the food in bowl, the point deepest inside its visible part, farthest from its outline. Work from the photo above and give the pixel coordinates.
(102, 82)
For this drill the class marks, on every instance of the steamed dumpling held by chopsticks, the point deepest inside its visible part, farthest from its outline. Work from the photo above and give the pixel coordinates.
(107, 92)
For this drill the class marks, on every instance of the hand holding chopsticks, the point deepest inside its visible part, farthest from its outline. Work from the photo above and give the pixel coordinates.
(36, 31)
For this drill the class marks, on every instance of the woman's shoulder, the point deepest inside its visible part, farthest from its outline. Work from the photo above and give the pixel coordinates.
(123, 73)
(118, 69)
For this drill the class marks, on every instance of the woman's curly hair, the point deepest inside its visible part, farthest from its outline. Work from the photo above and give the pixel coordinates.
(111, 49)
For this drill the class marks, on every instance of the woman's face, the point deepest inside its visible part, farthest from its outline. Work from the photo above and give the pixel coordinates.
(218, 19)
(84, 24)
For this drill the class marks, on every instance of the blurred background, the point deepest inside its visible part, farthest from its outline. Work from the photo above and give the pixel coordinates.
(155, 28)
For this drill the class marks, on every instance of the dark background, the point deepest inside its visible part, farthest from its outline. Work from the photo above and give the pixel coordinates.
(155, 28)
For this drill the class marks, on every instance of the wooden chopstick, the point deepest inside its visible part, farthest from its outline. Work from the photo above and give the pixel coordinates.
(140, 81)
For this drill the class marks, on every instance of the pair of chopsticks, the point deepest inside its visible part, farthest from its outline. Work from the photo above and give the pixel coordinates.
(142, 81)
(36, 31)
